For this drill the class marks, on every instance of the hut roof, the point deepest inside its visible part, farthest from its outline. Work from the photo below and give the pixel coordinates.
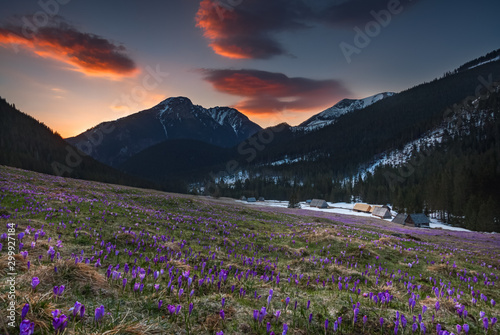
(400, 218)
(382, 212)
(420, 219)
(362, 208)
(320, 203)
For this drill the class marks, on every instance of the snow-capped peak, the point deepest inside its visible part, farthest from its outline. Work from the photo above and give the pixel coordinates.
(330, 115)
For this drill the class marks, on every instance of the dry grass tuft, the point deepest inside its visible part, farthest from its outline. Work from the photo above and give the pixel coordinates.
(40, 249)
(125, 237)
(292, 252)
(132, 329)
(213, 322)
(20, 264)
(439, 268)
(77, 275)
(172, 246)
(180, 265)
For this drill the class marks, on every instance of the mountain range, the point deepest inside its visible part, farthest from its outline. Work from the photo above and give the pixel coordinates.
(173, 118)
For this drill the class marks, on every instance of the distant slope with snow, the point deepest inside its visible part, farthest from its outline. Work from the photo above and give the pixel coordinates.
(330, 115)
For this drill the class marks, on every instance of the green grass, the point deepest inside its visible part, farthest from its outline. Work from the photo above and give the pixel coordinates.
(234, 238)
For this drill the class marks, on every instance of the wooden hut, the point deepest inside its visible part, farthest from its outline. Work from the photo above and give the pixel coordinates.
(382, 212)
(419, 220)
(362, 208)
(319, 203)
(413, 220)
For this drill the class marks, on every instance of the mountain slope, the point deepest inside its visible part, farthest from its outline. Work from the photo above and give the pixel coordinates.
(330, 115)
(174, 159)
(356, 138)
(453, 172)
(29, 144)
(173, 118)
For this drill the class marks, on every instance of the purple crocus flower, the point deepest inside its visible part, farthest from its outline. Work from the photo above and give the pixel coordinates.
(34, 282)
(76, 308)
(485, 323)
(223, 302)
(465, 327)
(438, 328)
(493, 303)
(222, 315)
(365, 318)
(287, 301)
(58, 290)
(160, 303)
(423, 329)
(262, 314)
(414, 327)
(459, 329)
(403, 321)
(99, 313)
(26, 327)
(437, 305)
(24, 311)
(285, 329)
(381, 321)
(493, 321)
(59, 322)
(310, 317)
(191, 308)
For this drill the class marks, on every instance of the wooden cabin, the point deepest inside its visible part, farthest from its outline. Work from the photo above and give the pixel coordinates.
(319, 203)
(382, 212)
(362, 208)
(413, 220)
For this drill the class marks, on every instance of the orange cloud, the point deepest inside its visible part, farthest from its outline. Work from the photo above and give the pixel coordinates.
(86, 53)
(243, 30)
(247, 28)
(270, 93)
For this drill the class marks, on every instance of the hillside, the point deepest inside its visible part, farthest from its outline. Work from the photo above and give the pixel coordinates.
(456, 174)
(29, 144)
(96, 258)
(172, 160)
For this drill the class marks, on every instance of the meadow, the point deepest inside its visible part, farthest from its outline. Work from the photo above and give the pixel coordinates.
(80, 257)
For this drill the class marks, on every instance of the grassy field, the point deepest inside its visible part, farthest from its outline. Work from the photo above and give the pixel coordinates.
(116, 260)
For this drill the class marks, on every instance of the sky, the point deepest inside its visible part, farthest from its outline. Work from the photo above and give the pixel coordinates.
(73, 64)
